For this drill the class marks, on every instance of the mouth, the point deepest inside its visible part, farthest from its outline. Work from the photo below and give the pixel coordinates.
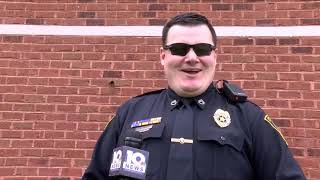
(191, 70)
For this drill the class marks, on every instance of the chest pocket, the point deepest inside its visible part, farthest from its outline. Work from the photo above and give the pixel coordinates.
(220, 155)
(154, 143)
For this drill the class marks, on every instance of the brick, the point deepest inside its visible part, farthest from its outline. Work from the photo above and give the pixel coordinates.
(289, 41)
(77, 117)
(276, 85)
(70, 73)
(17, 80)
(95, 22)
(76, 135)
(91, 73)
(49, 171)
(71, 56)
(86, 14)
(26, 171)
(56, 99)
(299, 86)
(254, 67)
(288, 59)
(71, 171)
(266, 41)
(77, 99)
(57, 153)
(310, 21)
(13, 39)
(11, 134)
(53, 135)
(157, 7)
(243, 41)
(33, 134)
(301, 67)
(112, 74)
(10, 153)
(60, 163)
(31, 152)
(313, 152)
(81, 163)
(21, 143)
(8, 89)
(12, 115)
(242, 6)
(67, 90)
(88, 109)
(277, 67)
(302, 104)
(74, 154)
(88, 126)
(266, 76)
(302, 50)
(64, 144)
(34, 21)
(5, 125)
(46, 143)
(311, 95)
(45, 108)
(14, 98)
(231, 67)
(265, 22)
(297, 151)
(312, 114)
(155, 22)
(66, 108)
(44, 125)
(22, 125)
(16, 161)
(290, 76)
(221, 7)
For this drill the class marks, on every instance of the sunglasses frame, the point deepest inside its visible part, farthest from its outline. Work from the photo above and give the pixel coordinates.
(189, 46)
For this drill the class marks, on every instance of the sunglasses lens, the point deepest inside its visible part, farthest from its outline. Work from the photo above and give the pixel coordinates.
(202, 49)
(179, 49)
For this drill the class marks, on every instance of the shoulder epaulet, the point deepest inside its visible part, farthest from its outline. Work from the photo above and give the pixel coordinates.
(151, 92)
(231, 91)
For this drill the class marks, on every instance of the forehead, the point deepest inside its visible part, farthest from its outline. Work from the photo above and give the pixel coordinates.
(189, 34)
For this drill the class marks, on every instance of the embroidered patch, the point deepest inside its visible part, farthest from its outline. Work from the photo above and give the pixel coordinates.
(268, 120)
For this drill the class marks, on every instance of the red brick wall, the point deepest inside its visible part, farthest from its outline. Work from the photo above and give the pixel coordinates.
(57, 93)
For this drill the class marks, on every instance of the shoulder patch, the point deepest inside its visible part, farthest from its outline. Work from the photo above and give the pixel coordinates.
(151, 92)
(268, 120)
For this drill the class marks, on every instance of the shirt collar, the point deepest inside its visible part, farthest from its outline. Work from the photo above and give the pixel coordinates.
(201, 100)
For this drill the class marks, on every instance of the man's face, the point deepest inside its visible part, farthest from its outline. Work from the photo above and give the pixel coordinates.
(189, 75)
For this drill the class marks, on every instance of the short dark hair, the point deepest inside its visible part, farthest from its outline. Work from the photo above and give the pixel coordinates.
(188, 19)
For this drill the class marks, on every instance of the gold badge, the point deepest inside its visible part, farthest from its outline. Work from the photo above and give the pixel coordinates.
(222, 118)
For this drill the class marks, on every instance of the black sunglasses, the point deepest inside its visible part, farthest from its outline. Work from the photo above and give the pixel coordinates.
(181, 49)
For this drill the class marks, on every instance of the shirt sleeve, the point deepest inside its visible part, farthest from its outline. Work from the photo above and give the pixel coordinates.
(99, 166)
(271, 157)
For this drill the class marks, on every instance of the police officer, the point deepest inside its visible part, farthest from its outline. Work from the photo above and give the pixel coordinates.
(191, 130)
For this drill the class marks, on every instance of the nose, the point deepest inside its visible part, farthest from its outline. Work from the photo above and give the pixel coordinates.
(191, 57)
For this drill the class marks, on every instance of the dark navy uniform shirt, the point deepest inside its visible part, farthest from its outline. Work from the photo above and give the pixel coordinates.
(222, 140)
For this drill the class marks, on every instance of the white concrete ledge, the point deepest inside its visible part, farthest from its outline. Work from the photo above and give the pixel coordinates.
(222, 31)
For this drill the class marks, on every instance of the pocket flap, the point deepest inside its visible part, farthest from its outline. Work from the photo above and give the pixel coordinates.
(223, 137)
(155, 131)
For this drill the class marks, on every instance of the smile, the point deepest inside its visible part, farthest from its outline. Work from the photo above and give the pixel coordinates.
(191, 70)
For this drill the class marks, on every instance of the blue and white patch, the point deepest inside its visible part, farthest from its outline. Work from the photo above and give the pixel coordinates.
(146, 122)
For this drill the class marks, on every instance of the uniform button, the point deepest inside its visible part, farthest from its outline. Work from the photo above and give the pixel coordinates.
(201, 101)
(222, 138)
(173, 103)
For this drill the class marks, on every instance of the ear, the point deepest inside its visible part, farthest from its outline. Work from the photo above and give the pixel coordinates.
(162, 56)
